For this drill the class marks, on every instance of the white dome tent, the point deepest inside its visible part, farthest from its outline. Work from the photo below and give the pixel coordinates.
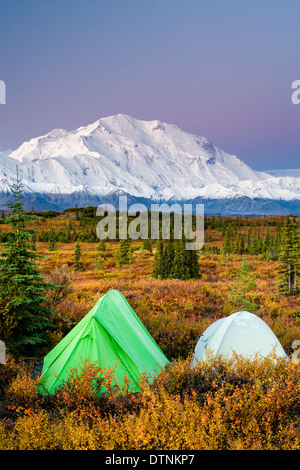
(243, 333)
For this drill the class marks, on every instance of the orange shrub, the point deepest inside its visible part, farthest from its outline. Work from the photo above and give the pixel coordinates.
(33, 431)
(219, 404)
(22, 391)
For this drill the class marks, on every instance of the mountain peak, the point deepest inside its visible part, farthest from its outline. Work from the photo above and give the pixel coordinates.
(144, 159)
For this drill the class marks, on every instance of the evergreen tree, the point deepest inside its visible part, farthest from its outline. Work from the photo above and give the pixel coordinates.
(227, 246)
(42, 235)
(101, 245)
(278, 237)
(267, 242)
(242, 245)
(68, 232)
(177, 269)
(52, 241)
(191, 263)
(169, 257)
(77, 259)
(296, 258)
(22, 288)
(238, 241)
(124, 252)
(241, 290)
(289, 269)
(255, 244)
(100, 263)
(172, 260)
(159, 259)
(33, 239)
(249, 240)
(147, 245)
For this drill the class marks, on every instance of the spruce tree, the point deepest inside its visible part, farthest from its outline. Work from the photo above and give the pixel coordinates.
(147, 245)
(267, 240)
(242, 245)
(249, 240)
(68, 231)
(124, 252)
(255, 246)
(278, 237)
(100, 263)
(77, 260)
(169, 257)
(296, 258)
(22, 287)
(173, 261)
(227, 246)
(52, 241)
(177, 264)
(191, 263)
(101, 245)
(237, 246)
(241, 290)
(159, 259)
(289, 269)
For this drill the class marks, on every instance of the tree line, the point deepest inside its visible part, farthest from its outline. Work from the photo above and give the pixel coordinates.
(25, 317)
(252, 242)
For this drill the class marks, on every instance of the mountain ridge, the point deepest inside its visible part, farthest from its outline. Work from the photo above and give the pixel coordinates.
(147, 160)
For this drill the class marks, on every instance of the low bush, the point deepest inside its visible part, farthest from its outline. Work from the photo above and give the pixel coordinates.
(219, 404)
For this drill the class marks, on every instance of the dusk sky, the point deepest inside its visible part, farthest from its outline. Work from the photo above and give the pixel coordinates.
(222, 69)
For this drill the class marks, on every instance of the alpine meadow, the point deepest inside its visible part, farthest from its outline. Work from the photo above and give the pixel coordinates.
(58, 270)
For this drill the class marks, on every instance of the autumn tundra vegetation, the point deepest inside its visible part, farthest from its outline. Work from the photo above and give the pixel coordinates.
(54, 269)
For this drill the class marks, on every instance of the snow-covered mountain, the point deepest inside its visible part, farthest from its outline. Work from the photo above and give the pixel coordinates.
(149, 161)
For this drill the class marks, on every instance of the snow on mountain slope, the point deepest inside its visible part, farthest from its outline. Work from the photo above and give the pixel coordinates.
(145, 159)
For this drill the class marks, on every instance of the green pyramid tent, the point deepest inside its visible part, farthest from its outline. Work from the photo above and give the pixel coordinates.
(110, 333)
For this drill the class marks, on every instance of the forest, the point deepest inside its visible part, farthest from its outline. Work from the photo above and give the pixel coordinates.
(246, 263)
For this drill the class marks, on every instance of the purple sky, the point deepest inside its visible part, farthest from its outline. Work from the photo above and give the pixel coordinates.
(222, 69)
